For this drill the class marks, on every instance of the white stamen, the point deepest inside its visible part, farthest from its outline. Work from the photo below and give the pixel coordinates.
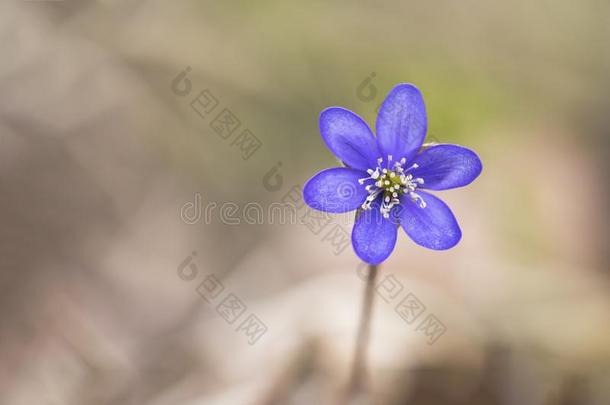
(390, 191)
(415, 197)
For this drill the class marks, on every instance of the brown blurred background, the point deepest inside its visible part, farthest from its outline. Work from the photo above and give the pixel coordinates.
(101, 152)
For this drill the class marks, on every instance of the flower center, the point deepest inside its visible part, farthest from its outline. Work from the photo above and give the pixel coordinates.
(391, 182)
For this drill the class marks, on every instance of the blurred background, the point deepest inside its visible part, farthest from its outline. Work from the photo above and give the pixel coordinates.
(121, 121)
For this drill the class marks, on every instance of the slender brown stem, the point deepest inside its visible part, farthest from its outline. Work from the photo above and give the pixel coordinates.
(357, 382)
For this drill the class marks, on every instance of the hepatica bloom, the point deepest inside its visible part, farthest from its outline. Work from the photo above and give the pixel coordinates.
(385, 176)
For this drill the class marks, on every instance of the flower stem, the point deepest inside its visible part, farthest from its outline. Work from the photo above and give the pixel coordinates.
(357, 382)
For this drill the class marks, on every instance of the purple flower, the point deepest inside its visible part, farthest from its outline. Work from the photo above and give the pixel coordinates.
(386, 175)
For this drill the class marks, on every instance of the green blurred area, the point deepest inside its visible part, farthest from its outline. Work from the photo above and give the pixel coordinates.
(495, 77)
(523, 83)
(481, 67)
